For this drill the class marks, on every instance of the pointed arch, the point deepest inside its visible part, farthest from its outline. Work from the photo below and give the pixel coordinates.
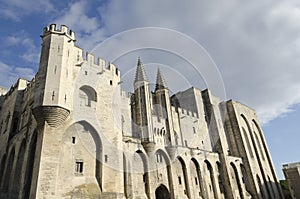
(162, 192)
(257, 140)
(257, 155)
(271, 186)
(88, 149)
(15, 184)
(212, 187)
(237, 180)
(2, 167)
(180, 171)
(140, 173)
(278, 187)
(29, 165)
(260, 186)
(247, 142)
(127, 177)
(199, 178)
(245, 179)
(8, 170)
(185, 176)
(220, 178)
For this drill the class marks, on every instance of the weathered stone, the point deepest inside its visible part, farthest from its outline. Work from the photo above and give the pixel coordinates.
(72, 133)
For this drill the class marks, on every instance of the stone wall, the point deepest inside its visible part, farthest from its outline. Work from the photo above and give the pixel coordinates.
(72, 133)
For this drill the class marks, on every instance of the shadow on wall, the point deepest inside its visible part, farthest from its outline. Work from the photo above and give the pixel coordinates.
(269, 190)
(285, 189)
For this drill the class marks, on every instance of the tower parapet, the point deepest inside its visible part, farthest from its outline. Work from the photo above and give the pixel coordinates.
(58, 57)
(64, 30)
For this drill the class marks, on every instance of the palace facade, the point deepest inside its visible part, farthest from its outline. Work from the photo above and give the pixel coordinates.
(71, 132)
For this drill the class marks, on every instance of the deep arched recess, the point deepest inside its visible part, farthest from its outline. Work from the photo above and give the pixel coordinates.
(162, 192)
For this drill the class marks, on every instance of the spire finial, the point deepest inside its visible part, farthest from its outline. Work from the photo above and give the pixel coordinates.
(139, 61)
(160, 81)
(140, 74)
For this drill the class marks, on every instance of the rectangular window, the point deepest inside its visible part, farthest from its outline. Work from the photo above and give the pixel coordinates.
(79, 167)
(194, 130)
(185, 142)
(179, 179)
(73, 140)
(106, 158)
(196, 181)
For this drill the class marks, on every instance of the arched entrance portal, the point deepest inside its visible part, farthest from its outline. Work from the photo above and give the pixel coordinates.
(162, 192)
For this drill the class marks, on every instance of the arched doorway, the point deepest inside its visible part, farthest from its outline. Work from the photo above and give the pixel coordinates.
(162, 192)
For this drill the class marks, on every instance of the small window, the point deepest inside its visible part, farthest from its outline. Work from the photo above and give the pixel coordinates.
(79, 167)
(105, 158)
(196, 181)
(179, 179)
(185, 142)
(53, 95)
(85, 72)
(144, 177)
(110, 82)
(73, 140)
(158, 157)
(194, 130)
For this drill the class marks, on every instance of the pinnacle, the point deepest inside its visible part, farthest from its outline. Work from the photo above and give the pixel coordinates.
(140, 74)
(160, 81)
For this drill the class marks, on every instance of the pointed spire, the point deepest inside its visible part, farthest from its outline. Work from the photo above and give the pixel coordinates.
(140, 74)
(160, 81)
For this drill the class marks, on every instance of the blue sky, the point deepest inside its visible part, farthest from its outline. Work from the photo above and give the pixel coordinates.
(256, 46)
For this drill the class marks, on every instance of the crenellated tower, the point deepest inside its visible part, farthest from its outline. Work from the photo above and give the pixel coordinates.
(143, 106)
(53, 94)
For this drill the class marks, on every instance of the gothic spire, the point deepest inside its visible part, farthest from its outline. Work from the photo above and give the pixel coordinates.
(160, 81)
(140, 74)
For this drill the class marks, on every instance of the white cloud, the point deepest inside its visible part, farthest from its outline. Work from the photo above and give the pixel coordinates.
(88, 30)
(255, 44)
(15, 9)
(9, 75)
(30, 51)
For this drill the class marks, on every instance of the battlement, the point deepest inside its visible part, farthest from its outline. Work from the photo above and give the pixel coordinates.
(64, 30)
(184, 112)
(90, 58)
(126, 94)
